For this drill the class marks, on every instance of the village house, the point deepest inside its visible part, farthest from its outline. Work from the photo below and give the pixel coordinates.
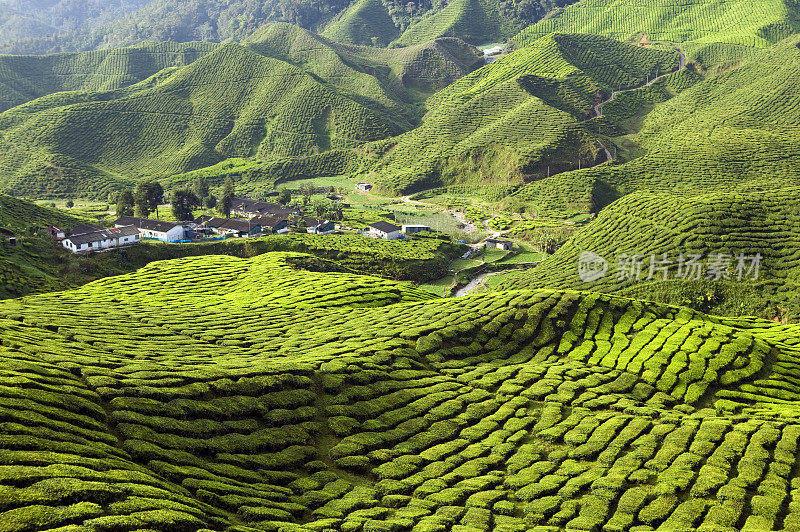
(247, 207)
(505, 245)
(101, 239)
(272, 224)
(366, 187)
(233, 226)
(154, 229)
(384, 230)
(320, 227)
(411, 229)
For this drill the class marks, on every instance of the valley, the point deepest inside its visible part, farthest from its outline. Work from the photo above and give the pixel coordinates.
(374, 266)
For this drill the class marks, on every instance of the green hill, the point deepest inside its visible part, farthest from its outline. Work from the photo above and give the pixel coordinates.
(20, 216)
(285, 94)
(695, 23)
(225, 394)
(366, 22)
(690, 135)
(512, 119)
(104, 25)
(472, 20)
(647, 225)
(25, 78)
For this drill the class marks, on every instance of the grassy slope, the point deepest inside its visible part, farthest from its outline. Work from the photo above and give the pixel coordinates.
(472, 20)
(734, 130)
(366, 22)
(214, 392)
(695, 23)
(286, 94)
(515, 117)
(25, 78)
(731, 223)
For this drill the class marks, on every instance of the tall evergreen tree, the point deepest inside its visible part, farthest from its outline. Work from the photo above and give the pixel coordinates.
(226, 200)
(183, 203)
(200, 187)
(125, 203)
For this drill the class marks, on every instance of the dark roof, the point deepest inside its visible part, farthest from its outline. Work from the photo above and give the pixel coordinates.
(386, 227)
(200, 220)
(496, 241)
(231, 223)
(269, 221)
(85, 238)
(252, 206)
(82, 229)
(144, 223)
(238, 225)
(315, 222)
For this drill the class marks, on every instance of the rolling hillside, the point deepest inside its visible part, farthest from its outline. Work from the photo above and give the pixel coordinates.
(25, 78)
(228, 394)
(644, 224)
(694, 23)
(284, 94)
(120, 24)
(690, 135)
(516, 117)
(366, 22)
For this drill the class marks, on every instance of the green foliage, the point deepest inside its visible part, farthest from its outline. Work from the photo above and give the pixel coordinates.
(366, 22)
(217, 392)
(694, 22)
(517, 119)
(718, 223)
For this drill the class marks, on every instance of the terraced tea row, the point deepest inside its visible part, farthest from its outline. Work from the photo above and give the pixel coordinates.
(645, 227)
(517, 117)
(227, 394)
(694, 23)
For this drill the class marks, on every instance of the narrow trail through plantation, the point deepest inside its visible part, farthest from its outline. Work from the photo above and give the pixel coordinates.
(598, 109)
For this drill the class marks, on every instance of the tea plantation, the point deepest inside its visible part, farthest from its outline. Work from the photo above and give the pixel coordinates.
(519, 117)
(282, 97)
(647, 225)
(696, 23)
(218, 393)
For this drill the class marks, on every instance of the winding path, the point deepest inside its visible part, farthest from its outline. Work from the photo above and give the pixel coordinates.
(598, 109)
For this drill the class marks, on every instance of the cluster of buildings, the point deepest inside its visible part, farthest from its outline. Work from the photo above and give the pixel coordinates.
(252, 218)
(86, 237)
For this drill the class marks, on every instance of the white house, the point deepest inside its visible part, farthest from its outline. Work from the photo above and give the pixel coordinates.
(154, 229)
(102, 239)
(366, 187)
(499, 244)
(384, 230)
(411, 229)
(319, 226)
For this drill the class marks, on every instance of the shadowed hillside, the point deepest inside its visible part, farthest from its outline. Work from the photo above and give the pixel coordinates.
(286, 94)
(697, 135)
(516, 117)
